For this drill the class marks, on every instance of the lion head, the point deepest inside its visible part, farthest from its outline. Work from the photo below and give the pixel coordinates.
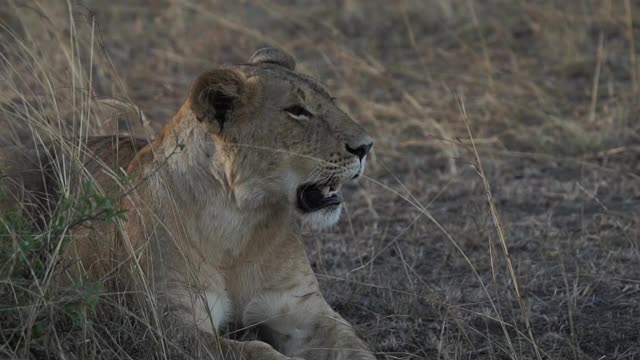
(279, 137)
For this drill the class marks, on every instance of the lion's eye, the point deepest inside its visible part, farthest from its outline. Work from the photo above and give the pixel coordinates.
(297, 111)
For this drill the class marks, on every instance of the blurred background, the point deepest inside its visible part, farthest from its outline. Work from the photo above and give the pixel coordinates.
(500, 215)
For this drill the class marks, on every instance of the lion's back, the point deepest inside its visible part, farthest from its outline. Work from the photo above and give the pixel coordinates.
(33, 178)
(109, 157)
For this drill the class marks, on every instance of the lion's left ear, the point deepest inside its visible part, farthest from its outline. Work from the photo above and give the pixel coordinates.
(216, 94)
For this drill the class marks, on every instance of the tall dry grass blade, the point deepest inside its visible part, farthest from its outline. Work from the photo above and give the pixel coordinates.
(501, 237)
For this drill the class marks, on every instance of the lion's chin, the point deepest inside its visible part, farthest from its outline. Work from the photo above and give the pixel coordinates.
(321, 219)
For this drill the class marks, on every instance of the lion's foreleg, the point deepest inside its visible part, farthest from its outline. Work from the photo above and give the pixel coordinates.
(302, 324)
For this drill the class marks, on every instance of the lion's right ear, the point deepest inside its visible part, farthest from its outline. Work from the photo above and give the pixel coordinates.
(216, 94)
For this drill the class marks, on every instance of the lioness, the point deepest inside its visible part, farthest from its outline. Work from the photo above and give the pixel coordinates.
(211, 213)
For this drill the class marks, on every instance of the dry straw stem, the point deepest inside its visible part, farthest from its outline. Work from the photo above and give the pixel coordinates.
(67, 128)
(496, 221)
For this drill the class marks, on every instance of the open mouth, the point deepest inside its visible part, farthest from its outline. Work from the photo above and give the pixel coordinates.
(313, 197)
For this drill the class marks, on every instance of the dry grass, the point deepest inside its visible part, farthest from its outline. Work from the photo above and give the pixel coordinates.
(501, 213)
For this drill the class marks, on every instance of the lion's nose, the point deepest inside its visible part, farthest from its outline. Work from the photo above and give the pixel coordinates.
(361, 151)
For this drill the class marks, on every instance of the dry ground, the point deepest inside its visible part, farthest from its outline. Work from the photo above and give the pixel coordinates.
(550, 92)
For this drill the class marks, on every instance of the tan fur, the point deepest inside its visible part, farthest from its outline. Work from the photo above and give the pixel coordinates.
(212, 208)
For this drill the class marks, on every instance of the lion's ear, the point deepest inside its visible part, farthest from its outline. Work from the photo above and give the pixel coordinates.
(216, 94)
(273, 56)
